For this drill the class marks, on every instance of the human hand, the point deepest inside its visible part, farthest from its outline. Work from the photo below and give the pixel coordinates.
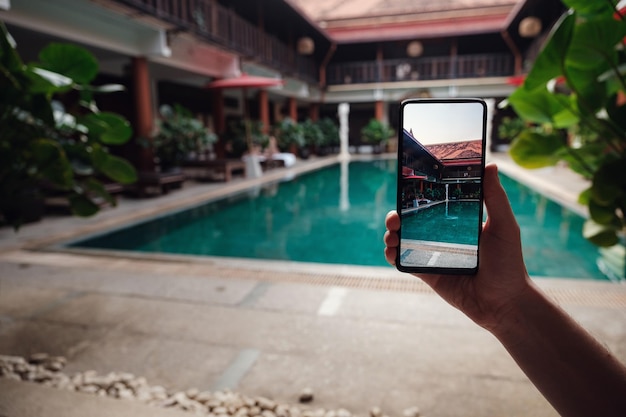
(501, 277)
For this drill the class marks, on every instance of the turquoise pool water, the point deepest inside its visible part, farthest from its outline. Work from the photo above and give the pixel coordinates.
(454, 222)
(318, 217)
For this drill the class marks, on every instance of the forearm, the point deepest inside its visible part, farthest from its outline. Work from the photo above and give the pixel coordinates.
(575, 373)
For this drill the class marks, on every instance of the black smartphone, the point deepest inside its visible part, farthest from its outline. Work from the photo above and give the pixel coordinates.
(441, 163)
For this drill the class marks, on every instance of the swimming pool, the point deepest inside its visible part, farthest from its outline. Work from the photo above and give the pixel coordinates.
(452, 222)
(335, 215)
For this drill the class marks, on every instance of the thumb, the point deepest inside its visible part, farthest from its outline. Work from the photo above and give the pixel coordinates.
(499, 212)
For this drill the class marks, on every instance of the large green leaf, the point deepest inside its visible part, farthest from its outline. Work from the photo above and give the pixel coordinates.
(117, 169)
(592, 7)
(591, 94)
(51, 163)
(9, 57)
(535, 150)
(604, 215)
(549, 63)
(109, 128)
(594, 41)
(609, 182)
(537, 106)
(599, 234)
(82, 206)
(617, 114)
(47, 82)
(95, 189)
(70, 60)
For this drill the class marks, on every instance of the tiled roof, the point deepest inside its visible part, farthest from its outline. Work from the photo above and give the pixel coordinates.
(456, 150)
(327, 10)
(357, 21)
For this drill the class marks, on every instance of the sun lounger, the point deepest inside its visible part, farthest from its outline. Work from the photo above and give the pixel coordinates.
(205, 169)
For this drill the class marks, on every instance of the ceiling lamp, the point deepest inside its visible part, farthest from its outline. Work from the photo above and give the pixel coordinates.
(306, 46)
(414, 49)
(529, 27)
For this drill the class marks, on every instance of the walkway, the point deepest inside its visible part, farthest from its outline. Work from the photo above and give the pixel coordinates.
(359, 337)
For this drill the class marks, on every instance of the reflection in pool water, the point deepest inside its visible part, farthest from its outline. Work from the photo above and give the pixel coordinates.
(317, 217)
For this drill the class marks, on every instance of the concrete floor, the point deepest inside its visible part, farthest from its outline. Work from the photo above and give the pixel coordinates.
(358, 336)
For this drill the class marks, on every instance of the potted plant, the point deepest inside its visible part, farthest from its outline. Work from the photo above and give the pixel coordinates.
(179, 136)
(574, 100)
(313, 135)
(376, 133)
(509, 129)
(330, 134)
(50, 147)
(236, 141)
(289, 136)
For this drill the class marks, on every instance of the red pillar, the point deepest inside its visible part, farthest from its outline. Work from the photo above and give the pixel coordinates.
(314, 112)
(264, 110)
(379, 111)
(143, 111)
(219, 121)
(293, 109)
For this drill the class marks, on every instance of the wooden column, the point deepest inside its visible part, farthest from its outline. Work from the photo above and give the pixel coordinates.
(264, 110)
(314, 112)
(293, 109)
(143, 111)
(380, 111)
(219, 120)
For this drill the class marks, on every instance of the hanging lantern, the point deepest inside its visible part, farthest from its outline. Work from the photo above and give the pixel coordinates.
(306, 46)
(414, 49)
(529, 27)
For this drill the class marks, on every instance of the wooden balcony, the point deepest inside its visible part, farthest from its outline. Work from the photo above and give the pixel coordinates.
(217, 24)
(427, 68)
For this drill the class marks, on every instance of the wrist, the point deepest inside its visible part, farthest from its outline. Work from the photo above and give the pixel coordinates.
(510, 321)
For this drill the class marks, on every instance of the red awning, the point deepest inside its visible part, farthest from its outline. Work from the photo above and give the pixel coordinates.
(245, 81)
(415, 177)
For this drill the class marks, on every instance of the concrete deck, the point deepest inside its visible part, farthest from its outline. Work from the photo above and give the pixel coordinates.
(359, 337)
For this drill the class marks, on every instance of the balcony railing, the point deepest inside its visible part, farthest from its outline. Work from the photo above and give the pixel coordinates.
(428, 68)
(217, 24)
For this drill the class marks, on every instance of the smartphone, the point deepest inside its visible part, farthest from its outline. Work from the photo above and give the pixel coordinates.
(441, 163)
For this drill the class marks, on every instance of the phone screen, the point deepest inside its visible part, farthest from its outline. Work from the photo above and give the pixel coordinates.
(441, 162)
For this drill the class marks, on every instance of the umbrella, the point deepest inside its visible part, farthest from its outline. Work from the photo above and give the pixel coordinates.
(245, 81)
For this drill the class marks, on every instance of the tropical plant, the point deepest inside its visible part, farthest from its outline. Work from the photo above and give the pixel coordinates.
(179, 134)
(289, 135)
(510, 128)
(236, 137)
(574, 96)
(313, 135)
(330, 132)
(53, 138)
(376, 132)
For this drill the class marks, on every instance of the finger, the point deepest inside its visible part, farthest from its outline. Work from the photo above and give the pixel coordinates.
(390, 255)
(392, 221)
(391, 239)
(499, 210)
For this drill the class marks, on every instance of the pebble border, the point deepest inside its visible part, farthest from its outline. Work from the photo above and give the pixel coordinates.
(47, 370)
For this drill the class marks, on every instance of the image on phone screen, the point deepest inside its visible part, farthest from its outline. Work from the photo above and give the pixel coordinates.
(440, 171)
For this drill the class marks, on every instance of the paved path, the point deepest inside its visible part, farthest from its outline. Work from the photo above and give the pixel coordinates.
(359, 337)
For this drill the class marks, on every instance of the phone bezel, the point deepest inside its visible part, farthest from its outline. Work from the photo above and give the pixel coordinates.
(433, 269)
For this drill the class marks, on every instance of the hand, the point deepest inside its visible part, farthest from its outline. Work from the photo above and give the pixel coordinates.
(501, 276)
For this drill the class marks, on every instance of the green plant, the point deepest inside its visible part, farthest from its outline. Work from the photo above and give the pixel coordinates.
(289, 134)
(510, 127)
(376, 132)
(179, 134)
(330, 132)
(236, 137)
(574, 97)
(53, 138)
(313, 135)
